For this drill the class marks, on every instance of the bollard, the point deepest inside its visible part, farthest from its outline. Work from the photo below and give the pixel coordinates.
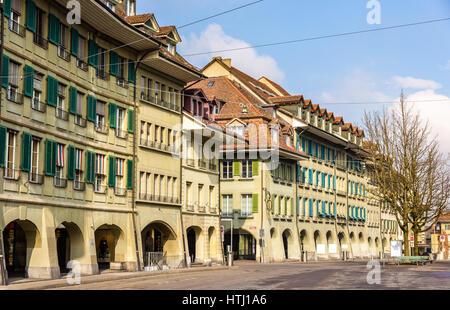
(345, 256)
(230, 259)
(304, 256)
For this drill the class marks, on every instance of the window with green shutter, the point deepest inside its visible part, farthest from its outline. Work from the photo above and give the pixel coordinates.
(26, 152)
(92, 108)
(90, 167)
(255, 203)
(2, 145)
(52, 91)
(112, 115)
(50, 162)
(273, 204)
(74, 42)
(7, 8)
(31, 16)
(73, 100)
(71, 163)
(54, 30)
(5, 70)
(130, 174)
(93, 54)
(112, 171)
(113, 63)
(130, 121)
(292, 207)
(131, 73)
(255, 167)
(29, 80)
(236, 168)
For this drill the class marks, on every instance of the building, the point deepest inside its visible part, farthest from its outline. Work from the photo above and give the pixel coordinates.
(72, 109)
(333, 213)
(439, 235)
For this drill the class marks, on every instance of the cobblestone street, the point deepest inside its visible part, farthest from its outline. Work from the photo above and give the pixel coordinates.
(292, 276)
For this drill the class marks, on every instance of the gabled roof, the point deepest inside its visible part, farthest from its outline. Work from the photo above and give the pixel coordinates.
(274, 85)
(286, 99)
(165, 32)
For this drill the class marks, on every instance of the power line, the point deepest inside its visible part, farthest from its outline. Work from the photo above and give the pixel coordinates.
(219, 14)
(321, 37)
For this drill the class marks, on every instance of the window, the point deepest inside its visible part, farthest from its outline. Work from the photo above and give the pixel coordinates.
(13, 83)
(210, 84)
(79, 116)
(227, 205)
(119, 188)
(62, 48)
(10, 154)
(275, 135)
(36, 103)
(227, 170)
(82, 54)
(100, 117)
(143, 96)
(101, 67)
(157, 92)
(99, 186)
(246, 205)
(240, 130)
(14, 22)
(188, 193)
(60, 105)
(78, 183)
(171, 48)
(247, 169)
(39, 33)
(121, 71)
(120, 132)
(34, 169)
(200, 195)
(59, 175)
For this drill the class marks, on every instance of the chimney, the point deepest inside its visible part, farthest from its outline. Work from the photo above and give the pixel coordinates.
(227, 61)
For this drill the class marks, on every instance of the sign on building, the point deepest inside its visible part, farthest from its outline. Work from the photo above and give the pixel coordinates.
(396, 248)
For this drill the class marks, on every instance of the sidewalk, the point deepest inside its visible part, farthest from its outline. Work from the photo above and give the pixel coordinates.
(34, 284)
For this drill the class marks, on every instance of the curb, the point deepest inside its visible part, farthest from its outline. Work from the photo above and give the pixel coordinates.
(59, 283)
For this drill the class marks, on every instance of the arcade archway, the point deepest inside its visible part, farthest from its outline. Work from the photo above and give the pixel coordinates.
(69, 244)
(244, 244)
(159, 237)
(110, 245)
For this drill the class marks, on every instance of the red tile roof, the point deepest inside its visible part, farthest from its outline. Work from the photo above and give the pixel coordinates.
(276, 86)
(139, 19)
(285, 99)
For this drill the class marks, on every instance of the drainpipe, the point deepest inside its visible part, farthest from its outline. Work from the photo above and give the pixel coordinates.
(3, 272)
(262, 245)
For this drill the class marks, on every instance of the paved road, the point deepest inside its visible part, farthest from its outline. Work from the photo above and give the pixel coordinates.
(290, 276)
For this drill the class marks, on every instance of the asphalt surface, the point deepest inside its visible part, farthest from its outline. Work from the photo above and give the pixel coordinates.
(290, 276)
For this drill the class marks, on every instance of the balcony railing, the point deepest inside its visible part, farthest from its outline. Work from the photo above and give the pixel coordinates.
(100, 188)
(82, 65)
(160, 102)
(190, 208)
(11, 174)
(14, 96)
(201, 164)
(61, 114)
(190, 162)
(40, 41)
(60, 183)
(79, 186)
(121, 134)
(17, 28)
(122, 82)
(80, 121)
(212, 167)
(101, 128)
(102, 74)
(120, 191)
(38, 105)
(213, 210)
(159, 198)
(63, 53)
(202, 209)
(35, 178)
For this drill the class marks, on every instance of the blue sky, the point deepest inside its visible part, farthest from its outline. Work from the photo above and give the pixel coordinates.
(367, 67)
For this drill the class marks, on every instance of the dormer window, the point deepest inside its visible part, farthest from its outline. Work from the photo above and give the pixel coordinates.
(288, 141)
(211, 84)
(109, 5)
(171, 48)
(237, 130)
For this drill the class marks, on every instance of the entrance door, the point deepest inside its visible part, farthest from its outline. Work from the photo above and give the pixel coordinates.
(15, 250)
(63, 248)
(285, 244)
(191, 244)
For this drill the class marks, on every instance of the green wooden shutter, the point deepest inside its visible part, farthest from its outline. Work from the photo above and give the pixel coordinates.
(129, 174)
(236, 168)
(73, 100)
(31, 16)
(50, 162)
(71, 164)
(130, 121)
(29, 80)
(88, 167)
(74, 42)
(273, 204)
(5, 70)
(255, 168)
(52, 91)
(7, 8)
(131, 73)
(26, 152)
(255, 203)
(112, 115)
(54, 30)
(112, 171)
(279, 205)
(2, 145)
(113, 63)
(92, 108)
(292, 207)
(93, 54)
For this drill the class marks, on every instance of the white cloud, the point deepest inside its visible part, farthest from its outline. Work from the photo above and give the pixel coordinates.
(414, 83)
(213, 38)
(434, 108)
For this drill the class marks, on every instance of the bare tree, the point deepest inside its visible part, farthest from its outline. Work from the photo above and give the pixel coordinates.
(411, 174)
